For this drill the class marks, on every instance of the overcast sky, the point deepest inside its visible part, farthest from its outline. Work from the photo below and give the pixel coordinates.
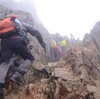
(67, 17)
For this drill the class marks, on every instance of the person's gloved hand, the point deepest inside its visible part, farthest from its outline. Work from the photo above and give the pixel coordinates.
(43, 44)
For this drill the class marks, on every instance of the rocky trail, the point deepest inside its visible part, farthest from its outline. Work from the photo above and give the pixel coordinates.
(73, 77)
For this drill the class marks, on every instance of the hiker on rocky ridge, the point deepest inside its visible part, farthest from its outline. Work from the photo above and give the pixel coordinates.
(15, 41)
(55, 50)
(63, 45)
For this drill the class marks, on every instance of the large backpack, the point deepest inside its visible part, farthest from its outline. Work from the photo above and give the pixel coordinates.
(8, 26)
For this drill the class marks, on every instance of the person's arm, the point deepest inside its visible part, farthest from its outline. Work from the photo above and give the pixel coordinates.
(35, 33)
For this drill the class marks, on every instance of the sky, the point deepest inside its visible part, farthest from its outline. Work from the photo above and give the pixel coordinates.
(67, 17)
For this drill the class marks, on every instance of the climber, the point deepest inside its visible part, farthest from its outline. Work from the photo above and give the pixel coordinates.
(53, 50)
(63, 45)
(16, 42)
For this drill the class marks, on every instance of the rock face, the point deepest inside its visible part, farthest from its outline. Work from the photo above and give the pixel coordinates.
(75, 76)
(92, 40)
(79, 72)
(95, 35)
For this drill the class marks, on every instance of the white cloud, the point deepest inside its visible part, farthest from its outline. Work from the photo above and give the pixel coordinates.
(19, 0)
(69, 16)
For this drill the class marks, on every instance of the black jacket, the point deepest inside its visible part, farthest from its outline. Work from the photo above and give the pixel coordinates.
(29, 29)
(22, 31)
